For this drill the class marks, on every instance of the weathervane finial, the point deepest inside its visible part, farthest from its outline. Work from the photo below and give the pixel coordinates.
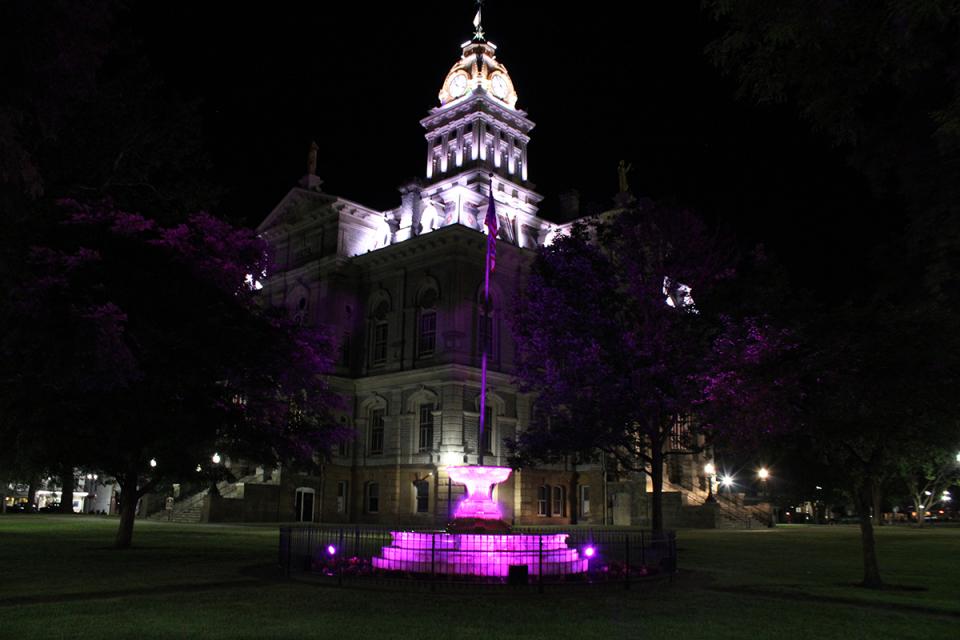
(478, 33)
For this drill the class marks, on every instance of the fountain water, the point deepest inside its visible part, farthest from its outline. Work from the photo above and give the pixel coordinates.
(478, 542)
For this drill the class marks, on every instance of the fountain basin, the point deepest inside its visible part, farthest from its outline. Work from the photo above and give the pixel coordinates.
(480, 555)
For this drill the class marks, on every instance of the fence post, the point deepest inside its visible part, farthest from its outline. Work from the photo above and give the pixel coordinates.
(433, 562)
(540, 567)
(336, 559)
(643, 549)
(626, 562)
(290, 551)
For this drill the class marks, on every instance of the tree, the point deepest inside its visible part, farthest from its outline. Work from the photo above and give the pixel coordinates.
(879, 81)
(613, 331)
(928, 473)
(140, 349)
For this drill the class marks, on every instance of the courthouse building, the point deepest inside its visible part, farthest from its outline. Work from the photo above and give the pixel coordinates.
(402, 290)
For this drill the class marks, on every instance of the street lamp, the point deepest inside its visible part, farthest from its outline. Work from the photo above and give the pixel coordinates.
(763, 473)
(727, 481)
(710, 472)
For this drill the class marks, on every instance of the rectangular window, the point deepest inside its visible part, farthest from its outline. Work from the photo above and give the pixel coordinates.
(428, 333)
(559, 504)
(343, 449)
(543, 499)
(487, 430)
(680, 434)
(422, 488)
(426, 427)
(342, 493)
(380, 343)
(584, 500)
(485, 335)
(376, 431)
(373, 497)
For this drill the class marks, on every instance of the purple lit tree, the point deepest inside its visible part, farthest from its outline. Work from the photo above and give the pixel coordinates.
(134, 343)
(617, 336)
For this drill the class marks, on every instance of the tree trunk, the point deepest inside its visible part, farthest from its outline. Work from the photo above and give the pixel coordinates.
(921, 508)
(573, 498)
(32, 492)
(871, 569)
(877, 510)
(67, 483)
(656, 476)
(128, 510)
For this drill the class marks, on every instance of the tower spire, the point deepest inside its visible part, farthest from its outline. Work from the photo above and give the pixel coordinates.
(478, 34)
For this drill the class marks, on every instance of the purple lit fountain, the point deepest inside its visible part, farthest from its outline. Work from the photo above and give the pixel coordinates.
(478, 542)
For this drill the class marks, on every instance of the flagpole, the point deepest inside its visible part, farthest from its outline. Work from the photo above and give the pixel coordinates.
(491, 225)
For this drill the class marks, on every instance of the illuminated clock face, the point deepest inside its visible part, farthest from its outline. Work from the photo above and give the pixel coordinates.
(500, 87)
(458, 85)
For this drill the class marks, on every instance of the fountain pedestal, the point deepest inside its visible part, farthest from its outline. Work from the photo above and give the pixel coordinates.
(477, 512)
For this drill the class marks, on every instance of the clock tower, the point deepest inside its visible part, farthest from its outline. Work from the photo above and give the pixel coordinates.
(477, 138)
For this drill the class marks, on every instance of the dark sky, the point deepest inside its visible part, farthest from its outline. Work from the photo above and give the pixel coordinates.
(602, 84)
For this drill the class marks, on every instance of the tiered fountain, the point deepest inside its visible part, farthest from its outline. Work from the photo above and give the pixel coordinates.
(478, 542)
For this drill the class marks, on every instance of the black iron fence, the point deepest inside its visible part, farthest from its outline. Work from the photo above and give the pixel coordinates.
(529, 557)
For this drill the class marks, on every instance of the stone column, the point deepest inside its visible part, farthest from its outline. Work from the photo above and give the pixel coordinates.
(431, 143)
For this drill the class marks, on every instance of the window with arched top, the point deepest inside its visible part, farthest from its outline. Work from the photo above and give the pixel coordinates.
(427, 322)
(298, 304)
(379, 331)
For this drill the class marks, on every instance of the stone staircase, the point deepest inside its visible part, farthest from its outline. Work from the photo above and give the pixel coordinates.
(190, 509)
(731, 512)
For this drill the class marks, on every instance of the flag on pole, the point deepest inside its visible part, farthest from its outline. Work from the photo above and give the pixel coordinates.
(491, 223)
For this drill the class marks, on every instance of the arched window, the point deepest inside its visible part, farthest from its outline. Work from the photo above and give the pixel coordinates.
(427, 322)
(379, 327)
(376, 429)
(298, 304)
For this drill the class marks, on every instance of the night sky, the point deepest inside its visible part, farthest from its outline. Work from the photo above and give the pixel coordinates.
(601, 85)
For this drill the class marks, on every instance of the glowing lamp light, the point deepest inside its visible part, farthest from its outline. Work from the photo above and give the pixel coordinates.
(589, 552)
(709, 469)
(727, 481)
(331, 550)
(199, 469)
(215, 458)
(763, 473)
(450, 458)
(153, 463)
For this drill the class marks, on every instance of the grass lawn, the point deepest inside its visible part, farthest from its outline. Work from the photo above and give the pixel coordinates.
(59, 578)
